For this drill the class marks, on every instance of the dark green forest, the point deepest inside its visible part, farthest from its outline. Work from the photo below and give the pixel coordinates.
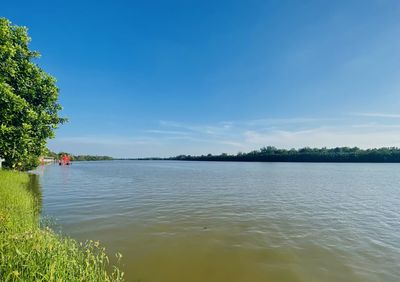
(272, 154)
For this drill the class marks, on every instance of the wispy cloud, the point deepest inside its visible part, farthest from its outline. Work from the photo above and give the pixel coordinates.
(173, 138)
(224, 127)
(377, 115)
(375, 125)
(166, 132)
(279, 121)
(328, 137)
(210, 129)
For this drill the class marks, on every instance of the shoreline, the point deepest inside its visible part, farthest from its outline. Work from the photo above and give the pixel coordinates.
(32, 252)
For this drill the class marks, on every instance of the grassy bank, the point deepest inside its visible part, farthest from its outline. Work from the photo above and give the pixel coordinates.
(31, 253)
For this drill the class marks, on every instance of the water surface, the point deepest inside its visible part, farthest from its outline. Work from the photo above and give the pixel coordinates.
(214, 221)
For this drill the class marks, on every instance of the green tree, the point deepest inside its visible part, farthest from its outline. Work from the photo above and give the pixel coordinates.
(28, 100)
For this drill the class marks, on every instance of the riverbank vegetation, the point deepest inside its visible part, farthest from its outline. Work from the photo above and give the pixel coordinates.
(272, 154)
(28, 100)
(29, 252)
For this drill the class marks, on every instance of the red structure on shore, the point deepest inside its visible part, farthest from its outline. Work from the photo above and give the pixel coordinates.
(65, 160)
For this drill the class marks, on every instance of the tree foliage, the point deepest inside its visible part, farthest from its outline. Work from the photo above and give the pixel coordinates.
(28, 100)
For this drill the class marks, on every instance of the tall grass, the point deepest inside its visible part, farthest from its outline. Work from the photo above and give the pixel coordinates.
(31, 253)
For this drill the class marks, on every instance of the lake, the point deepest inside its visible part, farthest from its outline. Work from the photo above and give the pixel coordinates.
(218, 221)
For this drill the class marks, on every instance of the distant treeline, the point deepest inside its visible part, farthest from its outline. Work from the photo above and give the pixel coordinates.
(272, 154)
(58, 156)
(91, 158)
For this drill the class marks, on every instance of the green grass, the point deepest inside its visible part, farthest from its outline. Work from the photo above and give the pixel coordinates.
(31, 253)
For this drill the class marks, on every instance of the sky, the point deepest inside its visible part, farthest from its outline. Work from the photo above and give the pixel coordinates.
(163, 78)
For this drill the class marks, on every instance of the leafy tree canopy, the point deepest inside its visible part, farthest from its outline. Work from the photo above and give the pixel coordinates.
(28, 100)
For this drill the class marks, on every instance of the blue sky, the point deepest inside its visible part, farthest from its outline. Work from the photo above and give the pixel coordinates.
(161, 78)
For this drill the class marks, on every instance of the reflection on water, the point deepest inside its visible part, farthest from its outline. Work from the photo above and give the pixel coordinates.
(35, 188)
(200, 221)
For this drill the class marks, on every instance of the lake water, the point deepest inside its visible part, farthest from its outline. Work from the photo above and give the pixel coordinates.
(214, 221)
